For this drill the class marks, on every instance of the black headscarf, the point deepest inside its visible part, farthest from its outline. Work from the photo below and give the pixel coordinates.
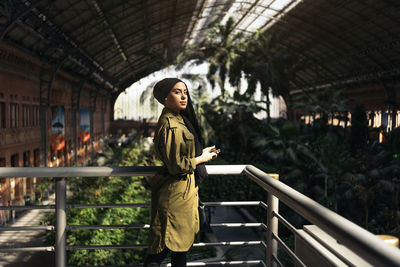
(160, 92)
(163, 87)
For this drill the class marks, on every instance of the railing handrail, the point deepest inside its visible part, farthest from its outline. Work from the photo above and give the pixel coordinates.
(349, 234)
(356, 238)
(67, 172)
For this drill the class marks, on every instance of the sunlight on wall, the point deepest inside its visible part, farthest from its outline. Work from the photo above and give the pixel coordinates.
(376, 119)
(129, 106)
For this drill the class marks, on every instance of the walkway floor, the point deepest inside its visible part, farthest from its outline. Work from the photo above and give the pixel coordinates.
(226, 214)
(26, 239)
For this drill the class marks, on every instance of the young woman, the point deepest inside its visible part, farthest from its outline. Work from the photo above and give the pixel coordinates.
(174, 213)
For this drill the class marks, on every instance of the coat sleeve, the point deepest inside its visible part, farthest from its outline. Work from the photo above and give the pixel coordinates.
(171, 152)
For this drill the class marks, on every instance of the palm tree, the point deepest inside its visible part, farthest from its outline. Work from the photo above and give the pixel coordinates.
(325, 102)
(257, 56)
(263, 62)
(219, 49)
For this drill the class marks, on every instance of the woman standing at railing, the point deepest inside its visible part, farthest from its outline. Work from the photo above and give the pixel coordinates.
(174, 213)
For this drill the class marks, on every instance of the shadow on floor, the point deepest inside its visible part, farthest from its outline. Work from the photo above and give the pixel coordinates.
(33, 259)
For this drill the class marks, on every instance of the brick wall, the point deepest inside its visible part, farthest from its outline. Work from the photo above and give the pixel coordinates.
(20, 135)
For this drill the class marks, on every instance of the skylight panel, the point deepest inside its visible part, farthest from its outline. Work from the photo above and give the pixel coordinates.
(270, 12)
(247, 21)
(280, 4)
(248, 15)
(257, 24)
(260, 9)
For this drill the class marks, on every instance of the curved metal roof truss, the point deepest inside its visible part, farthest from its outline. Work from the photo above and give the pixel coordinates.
(115, 43)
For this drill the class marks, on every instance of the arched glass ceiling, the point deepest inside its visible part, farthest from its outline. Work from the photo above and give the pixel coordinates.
(249, 15)
(112, 44)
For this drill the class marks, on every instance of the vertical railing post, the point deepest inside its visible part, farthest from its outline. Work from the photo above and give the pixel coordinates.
(272, 227)
(61, 222)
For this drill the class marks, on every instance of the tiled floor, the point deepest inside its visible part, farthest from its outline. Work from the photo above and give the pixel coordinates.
(231, 215)
(26, 239)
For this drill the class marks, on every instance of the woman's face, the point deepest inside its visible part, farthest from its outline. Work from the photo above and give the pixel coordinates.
(177, 98)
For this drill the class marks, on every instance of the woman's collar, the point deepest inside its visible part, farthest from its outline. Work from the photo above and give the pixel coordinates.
(168, 110)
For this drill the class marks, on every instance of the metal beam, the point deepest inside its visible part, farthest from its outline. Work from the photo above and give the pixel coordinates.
(325, 35)
(49, 60)
(96, 34)
(46, 84)
(168, 47)
(355, 79)
(60, 40)
(92, 105)
(152, 67)
(195, 20)
(113, 35)
(15, 11)
(75, 104)
(110, 29)
(146, 25)
(104, 101)
(277, 17)
(87, 67)
(237, 24)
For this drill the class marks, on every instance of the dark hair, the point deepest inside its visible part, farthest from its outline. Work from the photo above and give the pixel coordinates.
(191, 116)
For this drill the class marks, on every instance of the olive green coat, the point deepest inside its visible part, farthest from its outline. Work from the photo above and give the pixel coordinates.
(174, 217)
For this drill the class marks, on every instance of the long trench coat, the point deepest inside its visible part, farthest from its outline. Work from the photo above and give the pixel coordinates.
(174, 201)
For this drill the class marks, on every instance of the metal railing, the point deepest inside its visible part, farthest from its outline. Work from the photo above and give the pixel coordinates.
(363, 243)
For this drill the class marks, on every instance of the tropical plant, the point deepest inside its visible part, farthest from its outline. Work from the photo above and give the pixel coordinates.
(264, 62)
(102, 190)
(219, 49)
(328, 103)
(318, 160)
(234, 125)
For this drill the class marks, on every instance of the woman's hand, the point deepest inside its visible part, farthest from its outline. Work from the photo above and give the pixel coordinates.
(208, 154)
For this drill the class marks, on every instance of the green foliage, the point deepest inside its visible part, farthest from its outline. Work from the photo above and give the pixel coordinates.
(338, 167)
(42, 188)
(359, 129)
(234, 125)
(219, 49)
(323, 101)
(147, 95)
(102, 190)
(256, 57)
(230, 188)
(107, 190)
(359, 179)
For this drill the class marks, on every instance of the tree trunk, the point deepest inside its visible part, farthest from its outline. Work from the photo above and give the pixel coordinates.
(268, 108)
(366, 216)
(335, 199)
(289, 111)
(390, 92)
(394, 113)
(396, 206)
